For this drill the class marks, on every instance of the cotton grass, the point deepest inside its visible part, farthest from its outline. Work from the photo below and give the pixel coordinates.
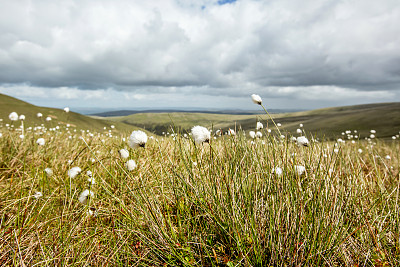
(137, 139)
(200, 134)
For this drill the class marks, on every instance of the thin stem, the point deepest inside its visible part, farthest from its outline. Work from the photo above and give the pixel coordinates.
(271, 119)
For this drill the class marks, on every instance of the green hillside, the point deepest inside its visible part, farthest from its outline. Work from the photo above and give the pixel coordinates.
(328, 122)
(59, 117)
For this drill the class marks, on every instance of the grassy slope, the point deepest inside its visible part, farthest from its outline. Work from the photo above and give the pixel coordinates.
(384, 118)
(9, 104)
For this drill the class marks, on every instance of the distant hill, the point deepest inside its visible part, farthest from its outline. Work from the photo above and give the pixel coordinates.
(9, 104)
(118, 113)
(328, 122)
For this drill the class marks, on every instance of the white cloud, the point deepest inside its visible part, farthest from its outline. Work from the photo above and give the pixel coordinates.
(308, 49)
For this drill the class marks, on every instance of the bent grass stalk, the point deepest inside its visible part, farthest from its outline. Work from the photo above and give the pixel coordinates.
(271, 118)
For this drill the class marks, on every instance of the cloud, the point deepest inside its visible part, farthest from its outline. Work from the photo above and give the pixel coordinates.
(205, 47)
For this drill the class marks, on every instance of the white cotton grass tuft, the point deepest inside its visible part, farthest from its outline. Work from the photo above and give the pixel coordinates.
(91, 179)
(302, 141)
(74, 171)
(1, 135)
(21, 117)
(49, 172)
(38, 195)
(299, 170)
(137, 139)
(48, 119)
(231, 132)
(252, 134)
(123, 153)
(92, 212)
(130, 165)
(299, 131)
(85, 195)
(66, 109)
(258, 134)
(259, 125)
(13, 116)
(388, 157)
(256, 99)
(277, 171)
(41, 141)
(39, 115)
(200, 134)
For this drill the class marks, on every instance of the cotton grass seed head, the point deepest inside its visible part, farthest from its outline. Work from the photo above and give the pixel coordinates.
(13, 116)
(302, 141)
(137, 139)
(85, 195)
(258, 134)
(252, 134)
(48, 171)
(299, 170)
(256, 99)
(39, 115)
(123, 153)
(200, 134)
(259, 125)
(231, 132)
(130, 165)
(92, 212)
(66, 109)
(277, 171)
(73, 172)
(38, 195)
(40, 142)
(21, 117)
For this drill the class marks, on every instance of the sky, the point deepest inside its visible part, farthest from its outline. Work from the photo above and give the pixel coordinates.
(200, 54)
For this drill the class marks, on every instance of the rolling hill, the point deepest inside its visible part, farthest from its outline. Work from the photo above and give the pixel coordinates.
(9, 104)
(327, 122)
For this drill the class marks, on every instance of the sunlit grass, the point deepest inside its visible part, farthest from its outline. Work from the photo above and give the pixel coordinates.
(213, 204)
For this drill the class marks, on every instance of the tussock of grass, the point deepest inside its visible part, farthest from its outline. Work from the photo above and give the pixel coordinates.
(214, 204)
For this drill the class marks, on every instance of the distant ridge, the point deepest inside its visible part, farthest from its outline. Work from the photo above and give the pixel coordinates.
(326, 122)
(118, 113)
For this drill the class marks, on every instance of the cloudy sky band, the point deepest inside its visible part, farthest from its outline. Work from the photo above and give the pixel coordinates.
(323, 53)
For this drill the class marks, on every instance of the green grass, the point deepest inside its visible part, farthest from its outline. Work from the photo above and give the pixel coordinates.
(214, 204)
(324, 123)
